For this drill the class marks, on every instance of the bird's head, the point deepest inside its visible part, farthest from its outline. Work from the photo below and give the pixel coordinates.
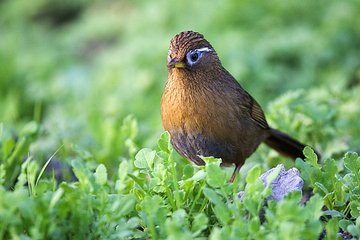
(190, 52)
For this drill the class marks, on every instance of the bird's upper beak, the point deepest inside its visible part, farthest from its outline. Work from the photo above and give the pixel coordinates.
(175, 63)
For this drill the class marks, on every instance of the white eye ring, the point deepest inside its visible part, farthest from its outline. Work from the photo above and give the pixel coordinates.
(194, 56)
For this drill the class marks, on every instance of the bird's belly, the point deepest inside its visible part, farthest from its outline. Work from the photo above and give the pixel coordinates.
(200, 144)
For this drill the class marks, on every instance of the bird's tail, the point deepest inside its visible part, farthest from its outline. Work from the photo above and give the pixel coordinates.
(285, 145)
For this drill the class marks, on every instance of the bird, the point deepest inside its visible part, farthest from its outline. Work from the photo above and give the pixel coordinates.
(208, 113)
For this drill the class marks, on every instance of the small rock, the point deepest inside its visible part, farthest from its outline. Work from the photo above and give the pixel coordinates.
(285, 182)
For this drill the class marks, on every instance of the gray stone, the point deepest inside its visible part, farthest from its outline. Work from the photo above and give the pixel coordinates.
(285, 182)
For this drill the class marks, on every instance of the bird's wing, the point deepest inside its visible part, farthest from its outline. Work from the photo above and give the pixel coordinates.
(247, 103)
(257, 114)
(252, 107)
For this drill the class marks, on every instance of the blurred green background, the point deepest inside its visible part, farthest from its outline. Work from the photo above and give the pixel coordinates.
(81, 68)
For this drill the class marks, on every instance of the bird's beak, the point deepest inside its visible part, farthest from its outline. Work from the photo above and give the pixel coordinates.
(174, 63)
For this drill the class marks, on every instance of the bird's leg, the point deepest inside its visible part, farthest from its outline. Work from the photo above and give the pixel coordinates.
(237, 168)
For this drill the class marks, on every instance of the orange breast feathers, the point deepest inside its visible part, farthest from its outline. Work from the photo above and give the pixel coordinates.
(195, 110)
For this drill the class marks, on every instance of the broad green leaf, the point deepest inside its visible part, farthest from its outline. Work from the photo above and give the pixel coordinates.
(180, 216)
(322, 187)
(101, 174)
(253, 174)
(218, 233)
(355, 207)
(254, 224)
(344, 223)
(311, 157)
(304, 168)
(83, 174)
(211, 160)
(333, 213)
(164, 142)
(252, 204)
(314, 207)
(30, 128)
(7, 147)
(23, 178)
(188, 171)
(199, 223)
(222, 213)
(330, 169)
(353, 230)
(199, 175)
(145, 158)
(352, 162)
(216, 176)
(127, 204)
(123, 170)
(212, 195)
(332, 228)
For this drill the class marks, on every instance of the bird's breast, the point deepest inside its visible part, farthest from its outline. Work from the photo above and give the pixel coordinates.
(191, 109)
(199, 122)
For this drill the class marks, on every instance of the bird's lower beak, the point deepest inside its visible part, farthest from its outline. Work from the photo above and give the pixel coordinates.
(174, 63)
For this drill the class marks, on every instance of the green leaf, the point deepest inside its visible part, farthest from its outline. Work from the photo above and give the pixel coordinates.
(352, 162)
(216, 176)
(145, 158)
(253, 174)
(129, 127)
(311, 157)
(164, 142)
(123, 170)
(31, 171)
(188, 172)
(332, 228)
(353, 230)
(126, 205)
(355, 207)
(55, 198)
(304, 168)
(199, 224)
(330, 169)
(7, 147)
(101, 174)
(212, 195)
(252, 204)
(273, 175)
(23, 178)
(30, 128)
(180, 216)
(2, 174)
(314, 207)
(222, 213)
(344, 223)
(254, 224)
(322, 187)
(333, 213)
(83, 174)
(199, 175)
(219, 233)
(211, 160)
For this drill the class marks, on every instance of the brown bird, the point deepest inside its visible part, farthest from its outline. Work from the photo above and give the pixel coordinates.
(208, 113)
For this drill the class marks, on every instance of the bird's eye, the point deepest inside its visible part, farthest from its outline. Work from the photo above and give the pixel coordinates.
(193, 57)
